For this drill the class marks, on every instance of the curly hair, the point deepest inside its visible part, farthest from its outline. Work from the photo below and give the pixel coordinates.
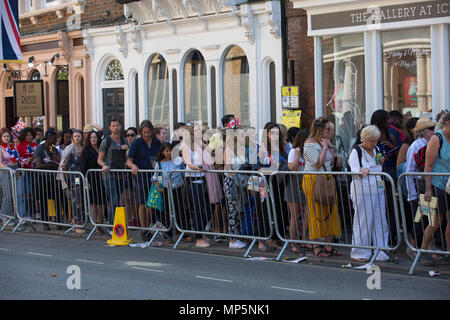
(25, 131)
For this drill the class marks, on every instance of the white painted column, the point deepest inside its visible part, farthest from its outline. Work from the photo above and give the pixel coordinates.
(318, 89)
(421, 83)
(171, 115)
(143, 94)
(440, 67)
(387, 84)
(394, 89)
(429, 91)
(373, 60)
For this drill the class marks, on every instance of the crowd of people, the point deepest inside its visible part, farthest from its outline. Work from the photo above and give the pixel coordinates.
(308, 205)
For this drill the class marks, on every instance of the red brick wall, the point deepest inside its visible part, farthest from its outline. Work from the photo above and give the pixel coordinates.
(95, 14)
(300, 48)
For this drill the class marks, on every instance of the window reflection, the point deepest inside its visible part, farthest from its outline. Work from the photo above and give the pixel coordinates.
(407, 70)
(195, 95)
(158, 91)
(236, 85)
(343, 86)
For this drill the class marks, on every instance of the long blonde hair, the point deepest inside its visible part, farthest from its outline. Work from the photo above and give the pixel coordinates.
(317, 128)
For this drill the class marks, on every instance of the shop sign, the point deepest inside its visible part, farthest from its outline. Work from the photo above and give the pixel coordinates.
(289, 97)
(29, 98)
(291, 118)
(378, 15)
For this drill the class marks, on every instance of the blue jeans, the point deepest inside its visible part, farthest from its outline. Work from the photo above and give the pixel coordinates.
(25, 201)
(112, 190)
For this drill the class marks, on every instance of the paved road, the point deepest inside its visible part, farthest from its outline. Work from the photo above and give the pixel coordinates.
(34, 266)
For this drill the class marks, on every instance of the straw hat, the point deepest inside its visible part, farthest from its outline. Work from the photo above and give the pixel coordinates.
(422, 124)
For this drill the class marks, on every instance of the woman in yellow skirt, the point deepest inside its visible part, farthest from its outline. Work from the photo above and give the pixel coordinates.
(324, 221)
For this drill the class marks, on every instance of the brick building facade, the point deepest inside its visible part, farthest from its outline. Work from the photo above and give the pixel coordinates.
(55, 52)
(300, 50)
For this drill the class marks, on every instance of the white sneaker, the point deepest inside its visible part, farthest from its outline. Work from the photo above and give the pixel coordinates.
(237, 244)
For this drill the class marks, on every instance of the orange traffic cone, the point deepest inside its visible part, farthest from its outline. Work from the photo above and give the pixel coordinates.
(120, 230)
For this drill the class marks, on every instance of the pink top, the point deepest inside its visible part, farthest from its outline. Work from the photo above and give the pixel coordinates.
(6, 157)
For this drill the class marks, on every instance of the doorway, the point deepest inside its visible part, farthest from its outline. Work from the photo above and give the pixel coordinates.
(10, 117)
(113, 107)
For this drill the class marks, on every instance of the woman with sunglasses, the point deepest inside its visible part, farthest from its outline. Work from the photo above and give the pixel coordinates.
(324, 221)
(131, 135)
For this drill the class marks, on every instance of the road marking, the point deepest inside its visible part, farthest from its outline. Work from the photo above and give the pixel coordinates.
(145, 269)
(215, 279)
(298, 290)
(3, 249)
(90, 261)
(39, 254)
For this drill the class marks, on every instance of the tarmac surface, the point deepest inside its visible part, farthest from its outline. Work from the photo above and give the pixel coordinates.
(400, 262)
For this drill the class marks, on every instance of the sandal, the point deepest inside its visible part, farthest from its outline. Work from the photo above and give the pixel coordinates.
(294, 248)
(321, 253)
(333, 252)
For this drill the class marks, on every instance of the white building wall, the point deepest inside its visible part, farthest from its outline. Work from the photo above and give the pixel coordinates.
(212, 36)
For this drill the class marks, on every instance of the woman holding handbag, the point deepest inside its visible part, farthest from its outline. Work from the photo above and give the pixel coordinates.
(320, 190)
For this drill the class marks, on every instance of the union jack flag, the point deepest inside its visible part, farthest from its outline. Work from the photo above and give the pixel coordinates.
(10, 50)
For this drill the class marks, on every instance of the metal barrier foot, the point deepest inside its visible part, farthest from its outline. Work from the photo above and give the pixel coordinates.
(151, 240)
(178, 241)
(282, 250)
(6, 224)
(249, 248)
(18, 226)
(411, 271)
(70, 229)
(90, 234)
(375, 255)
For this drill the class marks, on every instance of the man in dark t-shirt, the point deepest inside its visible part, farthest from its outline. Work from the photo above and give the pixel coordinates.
(112, 155)
(141, 156)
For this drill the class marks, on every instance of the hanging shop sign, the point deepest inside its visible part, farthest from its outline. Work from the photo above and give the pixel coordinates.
(29, 98)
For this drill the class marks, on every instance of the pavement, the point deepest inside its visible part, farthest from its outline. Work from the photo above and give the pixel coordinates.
(400, 263)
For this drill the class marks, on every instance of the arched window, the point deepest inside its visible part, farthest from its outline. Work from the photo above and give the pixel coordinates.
(113, 94)
(195, 94)
(35, 75)
(236, 85)
(114, 71)
(9, 82)
(158, 91)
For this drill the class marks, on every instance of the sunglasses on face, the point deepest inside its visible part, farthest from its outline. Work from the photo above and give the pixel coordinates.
(130, 135)
(431, 128)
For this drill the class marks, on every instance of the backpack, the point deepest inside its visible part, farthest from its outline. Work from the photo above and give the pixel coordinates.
(359, 152)
(118, 157)
(419, 156)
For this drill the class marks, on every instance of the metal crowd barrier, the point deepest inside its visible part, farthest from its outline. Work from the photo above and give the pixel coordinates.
(356, 215)
(422, 220)
(51, 198)
(221, 203)
(8, 208)
(120, 188)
